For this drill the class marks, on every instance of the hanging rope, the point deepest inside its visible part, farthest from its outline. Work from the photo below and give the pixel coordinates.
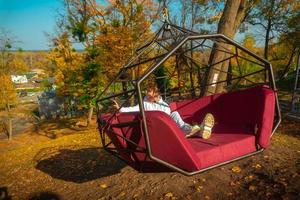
(165, 12)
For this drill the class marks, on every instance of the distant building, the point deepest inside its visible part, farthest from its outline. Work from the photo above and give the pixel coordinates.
(18, 79)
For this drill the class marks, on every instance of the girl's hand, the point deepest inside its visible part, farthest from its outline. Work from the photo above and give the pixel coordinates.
(116, 105)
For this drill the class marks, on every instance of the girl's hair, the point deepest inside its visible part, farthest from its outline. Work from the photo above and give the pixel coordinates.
(153, 88)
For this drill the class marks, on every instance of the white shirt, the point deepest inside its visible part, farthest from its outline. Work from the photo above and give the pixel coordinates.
(149, 106)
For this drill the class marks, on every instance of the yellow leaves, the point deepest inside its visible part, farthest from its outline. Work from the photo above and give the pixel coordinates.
(217, 16)
(257, 166)
(236, 169)
(122, 194)
(103, 185)
(249, 178)
(8, 94)
(199, 188)
(252, 188)
(169, 195)
(237, 183)
(249, 42)
(18, 63)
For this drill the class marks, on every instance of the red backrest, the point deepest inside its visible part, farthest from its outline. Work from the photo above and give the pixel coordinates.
(194, 110)
(249, 107)
(252, 107)
(168, 142)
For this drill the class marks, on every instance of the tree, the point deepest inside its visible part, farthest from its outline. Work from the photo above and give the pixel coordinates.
(234, 13)
(10, 63)
(109, 33)
(273, 20)
(272, 16)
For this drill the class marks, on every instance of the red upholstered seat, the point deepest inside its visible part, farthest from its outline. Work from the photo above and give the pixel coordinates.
(222, 146)
(236, 116)
(246, 108)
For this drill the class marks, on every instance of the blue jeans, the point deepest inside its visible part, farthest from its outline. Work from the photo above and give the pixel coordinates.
(185, 127)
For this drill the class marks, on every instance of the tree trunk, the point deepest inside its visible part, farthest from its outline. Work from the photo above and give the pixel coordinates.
(90, 114)
(9, 119)
(233, 15)
(267, 40)
(288, 65)
(268, 30)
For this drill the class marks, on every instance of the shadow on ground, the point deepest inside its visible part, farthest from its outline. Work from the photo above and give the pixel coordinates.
(46, 195)
(77, 165)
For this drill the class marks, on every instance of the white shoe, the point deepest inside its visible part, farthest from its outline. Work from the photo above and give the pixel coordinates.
(207, 125)
(205, 129)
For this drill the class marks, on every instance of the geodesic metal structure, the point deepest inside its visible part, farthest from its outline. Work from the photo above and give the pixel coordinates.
(190, 64)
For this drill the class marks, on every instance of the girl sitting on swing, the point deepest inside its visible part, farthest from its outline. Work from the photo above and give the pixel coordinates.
(154, 102)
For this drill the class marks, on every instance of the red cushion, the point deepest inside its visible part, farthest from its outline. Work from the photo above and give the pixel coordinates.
(249, 107)
(193, 111)
(222, 146)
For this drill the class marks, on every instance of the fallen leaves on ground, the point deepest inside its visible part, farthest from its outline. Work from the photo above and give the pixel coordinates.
(236, 169)
(257, 166)
(252, 188)
(249, 178)
(103, 185)
(170, 195)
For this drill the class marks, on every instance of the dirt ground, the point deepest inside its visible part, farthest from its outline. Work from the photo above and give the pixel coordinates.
(57, 162)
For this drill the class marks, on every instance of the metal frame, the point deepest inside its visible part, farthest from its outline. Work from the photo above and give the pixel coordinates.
(185, 36)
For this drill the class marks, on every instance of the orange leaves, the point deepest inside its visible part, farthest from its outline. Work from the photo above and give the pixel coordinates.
(8, 93)
(236, 169)
(68, 64)
(103, 186)
(252, 188)
(249, 42)
(257, 166)
(116, 45)
(216, 17)
(249, 178)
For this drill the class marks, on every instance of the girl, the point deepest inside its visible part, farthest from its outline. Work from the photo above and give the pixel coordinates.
(154, 102)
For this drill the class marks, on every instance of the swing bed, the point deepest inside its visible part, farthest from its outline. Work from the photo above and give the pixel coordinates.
(246, 111)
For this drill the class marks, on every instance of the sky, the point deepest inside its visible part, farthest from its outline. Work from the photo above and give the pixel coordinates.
(28, 20)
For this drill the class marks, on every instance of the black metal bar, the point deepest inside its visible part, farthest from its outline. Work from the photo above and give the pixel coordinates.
(272, 81)
(212, 36)
(240, 77)
(148, 60)
(115, 95)
(217, 49)
(109, 84)
(183, 29)
(194, 47)
(107, 125)
(126, 139)
(221, 61)
(162, 46)
(195, 61)
(251, 61)
(151, 40)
